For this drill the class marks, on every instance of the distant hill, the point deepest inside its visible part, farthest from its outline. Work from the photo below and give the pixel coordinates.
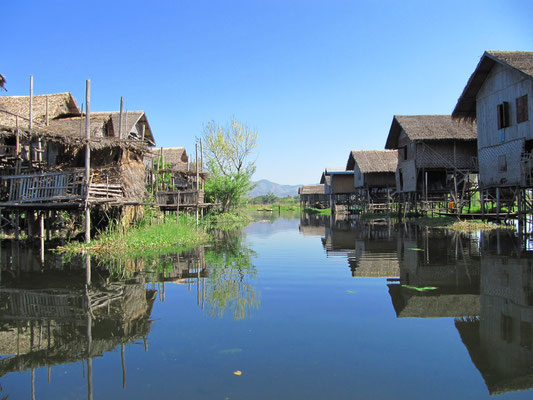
(265, 186)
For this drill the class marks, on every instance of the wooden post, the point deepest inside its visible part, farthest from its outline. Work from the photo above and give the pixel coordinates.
(482, 203)
(123, 359)
(31, 118)
(41, 236)
(201, 156)
(87, 161)
(120, 117)
(197, 186)
(143, 132)
(498, 204)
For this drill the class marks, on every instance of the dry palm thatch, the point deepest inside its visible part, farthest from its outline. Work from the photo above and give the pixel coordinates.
(58, 104)
(373, 161)
(311, 189)
(428, 127)
(175, 156)
(521, 61)
(3, 82)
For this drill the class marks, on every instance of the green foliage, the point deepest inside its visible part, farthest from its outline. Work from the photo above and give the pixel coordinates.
(227, 190)
(271, 198)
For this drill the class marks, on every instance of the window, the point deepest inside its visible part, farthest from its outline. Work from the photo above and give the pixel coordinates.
(521, 109)
(502, 163)
(503, 115)
(404, 152)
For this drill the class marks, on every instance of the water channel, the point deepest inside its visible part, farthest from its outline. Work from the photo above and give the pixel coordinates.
(288, 308)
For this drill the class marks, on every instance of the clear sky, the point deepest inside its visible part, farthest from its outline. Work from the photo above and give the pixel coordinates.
(316, 79)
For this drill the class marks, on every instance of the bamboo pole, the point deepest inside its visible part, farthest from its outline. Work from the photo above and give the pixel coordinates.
(197, 186)
(41, 236)
(120, 118)
(87, 161)
(31, 117)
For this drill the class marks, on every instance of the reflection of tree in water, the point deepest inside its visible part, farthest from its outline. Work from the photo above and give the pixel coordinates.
(231, 271)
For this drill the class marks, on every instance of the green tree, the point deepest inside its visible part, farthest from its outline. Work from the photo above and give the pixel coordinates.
(228, 150)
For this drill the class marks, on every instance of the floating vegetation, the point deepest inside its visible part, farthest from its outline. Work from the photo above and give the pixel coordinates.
(420, 289)
(415, 249)
(350, 291)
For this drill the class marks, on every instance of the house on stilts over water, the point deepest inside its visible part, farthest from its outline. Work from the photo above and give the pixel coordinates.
(313, 196)
(43, 158)
(374, 178)
(178, 184)
(497, 97)
(339, 186)
(436, 161)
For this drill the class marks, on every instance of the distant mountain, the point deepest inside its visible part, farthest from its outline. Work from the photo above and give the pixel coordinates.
(265, 186)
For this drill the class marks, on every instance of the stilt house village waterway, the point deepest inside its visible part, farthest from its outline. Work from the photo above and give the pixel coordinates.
(289, 307)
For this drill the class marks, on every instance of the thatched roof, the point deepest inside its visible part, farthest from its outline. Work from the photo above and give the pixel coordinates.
(325, 179)
(311, 189)
(3, 82)
(520, 61)
(72, 138)
(373, 161)
(174, 156)
(429, 127)
(75, 126)
(58, 104)
(129, 121)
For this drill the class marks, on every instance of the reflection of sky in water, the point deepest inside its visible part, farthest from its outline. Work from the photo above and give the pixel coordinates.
(316, 333)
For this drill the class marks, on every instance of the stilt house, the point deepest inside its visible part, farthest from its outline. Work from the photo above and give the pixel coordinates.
(436, 157)
(339, 185)
(42, 166)
(178, 184)
(313, 196)
(498, 98)
(374, 177)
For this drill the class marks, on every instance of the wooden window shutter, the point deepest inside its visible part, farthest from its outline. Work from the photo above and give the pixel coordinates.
(521, 109)
(503, 115)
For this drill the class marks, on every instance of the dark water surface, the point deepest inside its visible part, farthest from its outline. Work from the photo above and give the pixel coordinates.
(310, 309)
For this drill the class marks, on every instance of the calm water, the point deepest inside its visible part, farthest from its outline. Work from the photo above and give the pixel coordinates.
(306, 308)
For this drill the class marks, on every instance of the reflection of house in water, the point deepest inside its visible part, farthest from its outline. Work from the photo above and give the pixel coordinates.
(53, 317)
(313, 224)
(369, 246)
(500, 341)
(449, 263)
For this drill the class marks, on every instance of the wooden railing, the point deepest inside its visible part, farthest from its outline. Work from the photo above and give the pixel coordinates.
(180, 197)
(42, 187)
(56, 186)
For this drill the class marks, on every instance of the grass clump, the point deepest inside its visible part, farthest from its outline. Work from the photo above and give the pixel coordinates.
(458, 225)
(168, 235)
(226, 221)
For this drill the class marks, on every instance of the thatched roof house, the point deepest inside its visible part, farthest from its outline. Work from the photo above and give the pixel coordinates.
(432, 145)
(312, 194)
(311, 189)
(59, 104)
(175, 157)
(373, 168)
(498, 97)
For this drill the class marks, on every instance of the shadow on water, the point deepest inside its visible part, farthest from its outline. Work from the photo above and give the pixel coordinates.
(484, 280)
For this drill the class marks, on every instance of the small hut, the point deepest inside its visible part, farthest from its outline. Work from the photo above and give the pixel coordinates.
(339, 186)
(177, 183)
(436, 159)
(496, 97)
(313, 196)
(374, 177)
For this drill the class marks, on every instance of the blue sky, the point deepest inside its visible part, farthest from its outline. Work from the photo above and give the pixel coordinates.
(316, 79)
